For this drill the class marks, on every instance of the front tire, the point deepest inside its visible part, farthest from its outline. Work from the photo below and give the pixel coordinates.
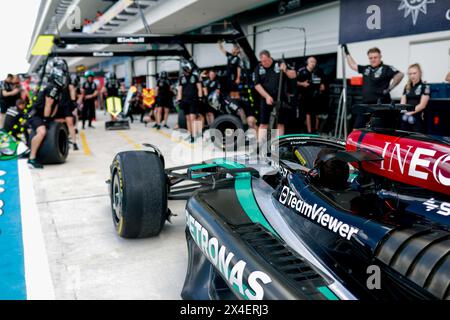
(138, 194)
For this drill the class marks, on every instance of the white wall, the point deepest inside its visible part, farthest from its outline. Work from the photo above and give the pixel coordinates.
(322, 31)
(140, 67)
(169, 64)
(207, 55)
(430, 49)
(120, 71)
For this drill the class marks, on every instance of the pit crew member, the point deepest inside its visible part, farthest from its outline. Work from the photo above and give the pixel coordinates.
(189, 95)
(416, 93)
(379, 80)
(266, 78)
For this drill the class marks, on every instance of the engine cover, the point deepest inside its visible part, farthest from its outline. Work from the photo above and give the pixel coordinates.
(421, 163)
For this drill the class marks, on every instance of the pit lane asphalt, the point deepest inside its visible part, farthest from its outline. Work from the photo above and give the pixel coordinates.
(87, 259)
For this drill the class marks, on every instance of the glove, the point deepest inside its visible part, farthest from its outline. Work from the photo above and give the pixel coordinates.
(344, 46)
(47, 120)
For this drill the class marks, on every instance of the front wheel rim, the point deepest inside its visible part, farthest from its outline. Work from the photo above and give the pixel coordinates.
(117, 199)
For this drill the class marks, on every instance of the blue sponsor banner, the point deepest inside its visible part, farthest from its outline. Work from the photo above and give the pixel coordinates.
(362, 20)
(12, 269)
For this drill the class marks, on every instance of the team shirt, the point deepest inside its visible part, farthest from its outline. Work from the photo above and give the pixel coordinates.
(233, 64)
(112, 88)
(211, 85)
(11, 100)
(415, 93)
(376, 80)
(164, 90)
(269, 79)
(51, 91)
(189, 86)
(315, 79)
(89, 89)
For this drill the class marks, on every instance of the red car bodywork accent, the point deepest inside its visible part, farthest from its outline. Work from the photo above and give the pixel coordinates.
(414, 162)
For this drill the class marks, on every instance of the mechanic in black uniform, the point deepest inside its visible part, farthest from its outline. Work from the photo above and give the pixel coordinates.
(14, 119)
(267, 78)
(211, 85)
(310, 80)
(248, 99)
(234, 70)
(189, 95)
(68, 106)
(44, 109)
(379, 81)
(111, 89)
(416, 93)
(164, 100)
(10, 94)
(89, 92)
(203, 104)
(3, 107)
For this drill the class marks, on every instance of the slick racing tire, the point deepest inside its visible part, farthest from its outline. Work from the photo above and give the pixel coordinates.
(138, 194)
(55, 147)
(227, 132)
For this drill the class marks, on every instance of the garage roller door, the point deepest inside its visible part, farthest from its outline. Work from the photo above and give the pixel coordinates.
(322, 37)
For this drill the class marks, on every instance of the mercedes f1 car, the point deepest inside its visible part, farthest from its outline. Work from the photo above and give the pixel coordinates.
(274, 229)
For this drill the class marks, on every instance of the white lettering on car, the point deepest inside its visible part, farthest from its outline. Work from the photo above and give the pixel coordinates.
(222, 259)
(316, 213)
(416, 161)
(420, 159)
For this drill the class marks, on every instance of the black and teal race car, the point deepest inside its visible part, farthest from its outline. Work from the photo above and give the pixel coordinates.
(267, 229)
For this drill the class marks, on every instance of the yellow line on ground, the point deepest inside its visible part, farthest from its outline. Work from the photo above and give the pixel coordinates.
(85, 145)
(165, 134)
(129, 140)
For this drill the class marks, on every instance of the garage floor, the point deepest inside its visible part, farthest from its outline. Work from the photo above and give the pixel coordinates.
(87, 259)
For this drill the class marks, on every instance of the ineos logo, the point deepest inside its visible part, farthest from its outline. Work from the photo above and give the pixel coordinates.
(416, 159)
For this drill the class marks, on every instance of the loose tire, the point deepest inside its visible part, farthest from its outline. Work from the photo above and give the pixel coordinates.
(138, 194)
(222, 125)
(55, 147)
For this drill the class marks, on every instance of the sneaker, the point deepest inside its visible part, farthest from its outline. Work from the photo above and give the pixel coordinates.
(92, 127)
(75, 147)
(158, 127)
(192, 139)
(166, 126)
(33, 164)
(155, 126)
